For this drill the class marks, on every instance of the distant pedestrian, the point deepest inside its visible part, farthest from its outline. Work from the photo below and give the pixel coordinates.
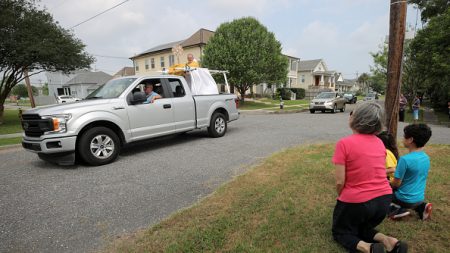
(403, 103)
(415, 107)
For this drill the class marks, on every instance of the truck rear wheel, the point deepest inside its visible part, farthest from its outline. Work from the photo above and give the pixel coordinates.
(99, 146)
(217, 125)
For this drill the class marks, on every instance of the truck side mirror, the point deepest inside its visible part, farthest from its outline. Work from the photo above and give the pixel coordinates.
(138, 98)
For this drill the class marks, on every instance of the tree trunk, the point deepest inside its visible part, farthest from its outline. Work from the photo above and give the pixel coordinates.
(2, 110)
(242, 90)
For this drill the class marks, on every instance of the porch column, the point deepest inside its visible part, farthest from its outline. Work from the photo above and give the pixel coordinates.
(321, 80)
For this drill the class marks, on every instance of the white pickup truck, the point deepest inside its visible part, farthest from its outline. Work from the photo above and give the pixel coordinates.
(115, 114)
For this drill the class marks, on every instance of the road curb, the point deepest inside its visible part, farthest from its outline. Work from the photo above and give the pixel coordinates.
(268, 112)
(8, 147)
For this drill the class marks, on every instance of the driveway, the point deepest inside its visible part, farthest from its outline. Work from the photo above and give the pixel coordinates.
(47, 208)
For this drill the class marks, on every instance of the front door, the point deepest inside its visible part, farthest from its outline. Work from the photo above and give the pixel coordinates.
(317, 80)
(152, 119)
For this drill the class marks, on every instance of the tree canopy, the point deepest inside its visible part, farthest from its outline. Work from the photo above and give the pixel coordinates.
(430, 54)
(249, 52)
(378, 78)
(431, 8)
(32, 41)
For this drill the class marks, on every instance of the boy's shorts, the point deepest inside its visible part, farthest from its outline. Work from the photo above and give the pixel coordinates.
(416, 114)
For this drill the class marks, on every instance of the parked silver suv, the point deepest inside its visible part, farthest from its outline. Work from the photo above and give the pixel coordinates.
(331, 101)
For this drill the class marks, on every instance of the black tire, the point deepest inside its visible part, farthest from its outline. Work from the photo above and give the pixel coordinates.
(323, 111)
(95, 153)
(343, 108)
(312, 111)
(334, 109)
(217, 125)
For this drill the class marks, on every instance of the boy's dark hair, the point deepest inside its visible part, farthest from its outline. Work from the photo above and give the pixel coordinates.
(420, 133)
(389, 142)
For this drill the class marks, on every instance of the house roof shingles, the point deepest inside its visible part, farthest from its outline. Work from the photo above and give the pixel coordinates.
(308, 65)
(90, 78)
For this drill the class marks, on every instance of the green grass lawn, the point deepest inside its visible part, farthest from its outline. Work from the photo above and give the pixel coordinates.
(286, 102)
(409, 116)
(285, 204)
(10, 141)
(250, 105)
(442, 117)
(11, 123)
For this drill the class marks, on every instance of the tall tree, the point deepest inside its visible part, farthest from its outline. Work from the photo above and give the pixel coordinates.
(378, 71)
(363, 80)
(22, 91)
(430, 54)
(249, 52)
(32, 41)
(431, 8)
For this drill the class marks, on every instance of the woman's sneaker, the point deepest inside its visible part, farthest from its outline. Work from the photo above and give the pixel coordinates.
(427, 211)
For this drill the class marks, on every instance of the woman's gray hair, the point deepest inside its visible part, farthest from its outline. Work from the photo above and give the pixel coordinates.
(367, 118)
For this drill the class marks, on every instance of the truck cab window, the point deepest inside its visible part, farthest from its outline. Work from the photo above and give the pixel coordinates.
(177, 88)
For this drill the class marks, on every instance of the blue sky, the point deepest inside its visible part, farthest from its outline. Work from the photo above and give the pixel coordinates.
(342, 32)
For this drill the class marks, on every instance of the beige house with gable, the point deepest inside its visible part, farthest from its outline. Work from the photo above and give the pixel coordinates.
(156, 59)
(314, 75)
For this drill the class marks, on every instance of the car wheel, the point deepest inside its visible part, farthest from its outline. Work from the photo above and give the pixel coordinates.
(99, 146)
(323, 111)
(343, 108)
(217, 125)
(334, 109)
(312, 111)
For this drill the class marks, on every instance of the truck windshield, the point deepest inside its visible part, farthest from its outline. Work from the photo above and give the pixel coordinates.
(111, 89)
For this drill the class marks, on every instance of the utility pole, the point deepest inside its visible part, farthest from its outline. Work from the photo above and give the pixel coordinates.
(30, 90)
(397, 26)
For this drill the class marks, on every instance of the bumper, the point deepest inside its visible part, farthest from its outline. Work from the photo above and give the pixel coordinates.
(50, 146)
(321, 107)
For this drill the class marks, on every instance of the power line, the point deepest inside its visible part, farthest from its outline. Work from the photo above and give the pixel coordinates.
(115, 6)
(110, 56)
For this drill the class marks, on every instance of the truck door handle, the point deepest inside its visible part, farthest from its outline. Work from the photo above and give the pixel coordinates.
(167, 106)
(118, 107)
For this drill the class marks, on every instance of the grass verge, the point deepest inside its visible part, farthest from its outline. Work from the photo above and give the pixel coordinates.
(285, 204)
(250, 105)
(10, 141)
(11, 122)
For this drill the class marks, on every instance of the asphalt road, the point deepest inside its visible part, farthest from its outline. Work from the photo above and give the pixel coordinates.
(48, 208)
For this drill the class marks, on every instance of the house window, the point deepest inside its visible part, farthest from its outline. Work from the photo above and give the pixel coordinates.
(162, 62)
(293, 65)
(171, 60)
(146, 64)
(136, 66)
(303, 78)
(152, 62)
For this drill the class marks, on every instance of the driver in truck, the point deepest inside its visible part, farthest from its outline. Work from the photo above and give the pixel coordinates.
(151, 95)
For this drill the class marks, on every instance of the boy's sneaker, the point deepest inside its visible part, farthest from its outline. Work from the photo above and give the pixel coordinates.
(427, 211)
(399, 213)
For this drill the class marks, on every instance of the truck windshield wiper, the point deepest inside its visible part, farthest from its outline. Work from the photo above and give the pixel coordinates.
(94, 97)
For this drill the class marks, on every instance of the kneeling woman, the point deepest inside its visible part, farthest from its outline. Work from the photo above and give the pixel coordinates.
(363, 191)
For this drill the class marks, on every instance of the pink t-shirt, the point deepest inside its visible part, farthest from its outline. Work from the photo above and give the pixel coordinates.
(364, 158)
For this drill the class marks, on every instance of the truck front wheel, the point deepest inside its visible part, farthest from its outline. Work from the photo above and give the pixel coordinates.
(217, 125)
(99, 146)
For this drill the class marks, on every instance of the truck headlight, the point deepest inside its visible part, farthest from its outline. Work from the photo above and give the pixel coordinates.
(328, 103)
(59, 122)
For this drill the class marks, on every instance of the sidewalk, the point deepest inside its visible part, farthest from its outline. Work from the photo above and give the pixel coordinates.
(7, 136)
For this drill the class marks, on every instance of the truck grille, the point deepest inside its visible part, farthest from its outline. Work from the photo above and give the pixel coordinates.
(319, 103)
(35, 126)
